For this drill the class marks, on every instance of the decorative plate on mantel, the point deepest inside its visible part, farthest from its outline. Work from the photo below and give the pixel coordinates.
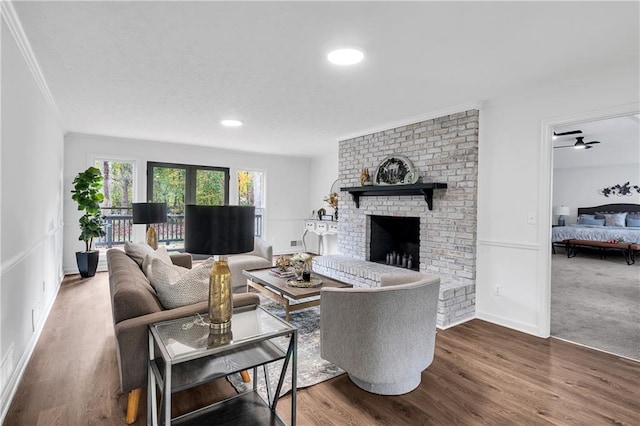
(395, 170)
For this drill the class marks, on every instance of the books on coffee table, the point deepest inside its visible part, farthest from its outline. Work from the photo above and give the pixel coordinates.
(277, 272)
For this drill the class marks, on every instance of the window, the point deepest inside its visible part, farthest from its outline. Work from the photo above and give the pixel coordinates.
(251, 193)
(181, 184)
(118, 183)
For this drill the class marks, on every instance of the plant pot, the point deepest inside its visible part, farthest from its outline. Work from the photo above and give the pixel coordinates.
(87, 262)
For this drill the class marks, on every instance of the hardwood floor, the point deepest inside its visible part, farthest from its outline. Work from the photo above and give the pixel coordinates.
(481, 374)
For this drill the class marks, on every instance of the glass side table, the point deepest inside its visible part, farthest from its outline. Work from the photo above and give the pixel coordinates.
(183, 354)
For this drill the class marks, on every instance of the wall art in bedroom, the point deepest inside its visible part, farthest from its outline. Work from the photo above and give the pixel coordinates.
(620, 190)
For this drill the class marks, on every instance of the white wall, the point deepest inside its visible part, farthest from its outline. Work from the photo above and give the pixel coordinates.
(286, 180)
(324, 171)
(578, 186)
(31, 218)
(515, 183)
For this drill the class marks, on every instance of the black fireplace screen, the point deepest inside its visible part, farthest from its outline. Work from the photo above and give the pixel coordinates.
(395, 241)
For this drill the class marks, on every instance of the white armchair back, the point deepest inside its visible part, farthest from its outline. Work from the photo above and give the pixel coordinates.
(383, 337)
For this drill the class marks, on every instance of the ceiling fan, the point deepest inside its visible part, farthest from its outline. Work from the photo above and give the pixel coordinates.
(580, 144)
(572, 132)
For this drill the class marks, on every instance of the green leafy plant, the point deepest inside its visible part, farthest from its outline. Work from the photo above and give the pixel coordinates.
(86, 192)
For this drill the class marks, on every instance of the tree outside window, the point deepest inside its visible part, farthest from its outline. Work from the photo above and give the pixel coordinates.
(251, 193)
(118, 184)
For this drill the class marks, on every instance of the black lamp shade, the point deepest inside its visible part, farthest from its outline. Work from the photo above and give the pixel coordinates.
(219, 229)
(149, 213)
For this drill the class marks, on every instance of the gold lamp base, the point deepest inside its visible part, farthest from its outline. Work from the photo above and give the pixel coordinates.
(220, 301)
(152, 237)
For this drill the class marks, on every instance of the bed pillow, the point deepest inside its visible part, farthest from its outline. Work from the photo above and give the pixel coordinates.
(137, 251)
(616, 219)
(633, 223)
(592, 221)
(176, 287)
(584, 217)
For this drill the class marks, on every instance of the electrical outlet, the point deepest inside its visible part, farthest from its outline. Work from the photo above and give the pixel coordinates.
(294, 243)
(531, 218)
(498, 290)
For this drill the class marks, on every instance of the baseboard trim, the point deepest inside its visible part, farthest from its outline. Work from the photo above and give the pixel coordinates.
(13, 382)
(462, 321)
(506, 322)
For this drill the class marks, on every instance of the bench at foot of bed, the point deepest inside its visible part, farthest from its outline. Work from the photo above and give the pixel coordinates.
(628, 249)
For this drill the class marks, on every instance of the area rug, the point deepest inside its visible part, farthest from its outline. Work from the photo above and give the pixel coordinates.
(311, 368)
(594, 302)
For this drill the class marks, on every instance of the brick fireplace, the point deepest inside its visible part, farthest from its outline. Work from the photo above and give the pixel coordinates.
(444, 149)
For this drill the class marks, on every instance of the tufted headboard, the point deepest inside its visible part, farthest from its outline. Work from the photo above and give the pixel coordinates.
(611, 208)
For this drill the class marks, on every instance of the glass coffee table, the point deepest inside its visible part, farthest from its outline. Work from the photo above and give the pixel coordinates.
(279, 290)
(183, 353)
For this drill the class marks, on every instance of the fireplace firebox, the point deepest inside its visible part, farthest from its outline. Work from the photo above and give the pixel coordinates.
(395, 241)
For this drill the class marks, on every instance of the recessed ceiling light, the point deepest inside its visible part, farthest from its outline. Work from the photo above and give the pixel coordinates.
(345, 56)
(231, 123)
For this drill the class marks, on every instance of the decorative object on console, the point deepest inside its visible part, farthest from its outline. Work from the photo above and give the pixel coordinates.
(321, 212)
(86, 192)
(562, 211)
(219, 230)
(148, 214)
(394, 170)
(332, 200)
(619, 190)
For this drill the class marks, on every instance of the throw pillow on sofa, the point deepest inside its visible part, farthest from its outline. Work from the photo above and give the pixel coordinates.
(161, 254)
(179, 287)
(137, 251)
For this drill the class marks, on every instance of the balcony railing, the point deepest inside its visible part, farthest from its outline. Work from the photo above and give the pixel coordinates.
(119, 227)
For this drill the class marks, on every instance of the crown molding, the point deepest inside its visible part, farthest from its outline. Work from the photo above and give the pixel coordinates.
(15, 27)
(415, 119)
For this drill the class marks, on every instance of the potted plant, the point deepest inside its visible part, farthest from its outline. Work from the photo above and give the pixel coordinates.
(86, 192)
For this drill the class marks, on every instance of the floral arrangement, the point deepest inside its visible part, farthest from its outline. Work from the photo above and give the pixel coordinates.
(301, 259)
(332, 200)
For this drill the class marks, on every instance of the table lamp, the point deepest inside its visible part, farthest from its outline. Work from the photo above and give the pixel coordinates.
(148, 213)
(562, 211)
(219, 230)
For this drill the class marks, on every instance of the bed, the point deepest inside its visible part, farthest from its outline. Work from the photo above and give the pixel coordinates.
(592, 232)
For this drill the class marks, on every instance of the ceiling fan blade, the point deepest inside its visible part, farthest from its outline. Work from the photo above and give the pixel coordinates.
(572, 132)
(588, 147)
(591, 143)
(567, 146)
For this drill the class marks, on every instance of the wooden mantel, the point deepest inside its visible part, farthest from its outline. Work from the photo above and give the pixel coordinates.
(425, 189)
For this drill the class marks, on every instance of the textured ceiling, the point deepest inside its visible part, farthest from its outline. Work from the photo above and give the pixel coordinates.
(170, 71)
(619, 144)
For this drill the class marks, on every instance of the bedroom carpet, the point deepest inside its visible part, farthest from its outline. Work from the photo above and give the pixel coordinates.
(596, 302)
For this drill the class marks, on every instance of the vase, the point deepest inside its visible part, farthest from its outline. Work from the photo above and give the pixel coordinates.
(298, 269)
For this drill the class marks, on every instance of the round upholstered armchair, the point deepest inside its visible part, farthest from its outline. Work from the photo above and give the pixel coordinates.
(383, 337)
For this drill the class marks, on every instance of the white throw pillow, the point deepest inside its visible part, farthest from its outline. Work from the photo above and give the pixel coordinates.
(137, 251)
(180, 287)
(617, 219)
(161, 254)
